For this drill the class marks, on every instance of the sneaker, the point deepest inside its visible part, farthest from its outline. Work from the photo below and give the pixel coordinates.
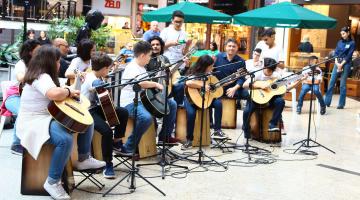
(90, 163)
(323, 110)
(298, 110)
(340, 107)
(123, 152)
(17, 149)
(56, 190)
(187, 145)
(273, 128)
(219, 134)
(117, 146)
(109, 171)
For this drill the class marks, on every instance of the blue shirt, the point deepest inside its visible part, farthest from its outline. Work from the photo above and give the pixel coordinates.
(345, 49)
(222, 72)
(128, 53)
(149, 34)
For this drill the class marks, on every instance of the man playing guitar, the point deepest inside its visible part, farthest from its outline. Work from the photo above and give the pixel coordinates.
(101, 64)
(277, 101)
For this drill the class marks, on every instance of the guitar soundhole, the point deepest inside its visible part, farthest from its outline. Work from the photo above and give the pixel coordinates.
(273, 86)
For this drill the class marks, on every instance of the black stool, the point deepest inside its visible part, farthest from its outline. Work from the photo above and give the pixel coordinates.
(89, 175)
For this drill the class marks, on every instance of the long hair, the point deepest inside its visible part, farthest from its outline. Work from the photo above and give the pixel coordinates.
(201, 65)
(162, 43)
(84, 49)
(26, 49)
(44, 61)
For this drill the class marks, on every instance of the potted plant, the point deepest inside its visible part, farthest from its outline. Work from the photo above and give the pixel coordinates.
(8, 54)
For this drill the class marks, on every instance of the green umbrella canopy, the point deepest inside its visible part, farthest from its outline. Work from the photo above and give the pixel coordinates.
(193, 12)
(285, 15)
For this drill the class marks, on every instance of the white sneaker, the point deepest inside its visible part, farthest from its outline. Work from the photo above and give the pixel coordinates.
(56, 191)
(90, 163)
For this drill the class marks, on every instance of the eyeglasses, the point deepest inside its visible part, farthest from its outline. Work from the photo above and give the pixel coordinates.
(66, 46)
(178, 22)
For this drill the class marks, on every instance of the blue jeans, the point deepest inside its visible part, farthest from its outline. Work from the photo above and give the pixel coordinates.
(306, 88)
(334, 76)
(178, 92)
(169, 120)
(191, 115)
(12, 103)
(143, 122)
(63, 142)
(277, 102)
(217, 105)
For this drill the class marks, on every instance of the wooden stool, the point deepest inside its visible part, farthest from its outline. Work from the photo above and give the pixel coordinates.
(181, 123)
(229, 113)
(259, 123)
(34, 172)
(147, 144)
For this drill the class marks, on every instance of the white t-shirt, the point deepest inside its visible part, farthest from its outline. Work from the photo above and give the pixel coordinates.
(33, 98)
(317, 77)
(275, 52)
(260, 76)
(174, 53)
(132, 71)
(79, 64)
(250, 67)
(20, 67)
(87, 89)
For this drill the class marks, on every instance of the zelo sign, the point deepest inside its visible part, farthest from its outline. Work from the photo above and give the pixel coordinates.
(110, 7)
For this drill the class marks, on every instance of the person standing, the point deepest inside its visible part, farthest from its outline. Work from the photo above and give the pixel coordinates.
(43, 39)
(343, 52)
(154, 31)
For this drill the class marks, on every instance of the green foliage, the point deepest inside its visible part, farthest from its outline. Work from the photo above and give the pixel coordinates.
(9, 53)
(69, 28)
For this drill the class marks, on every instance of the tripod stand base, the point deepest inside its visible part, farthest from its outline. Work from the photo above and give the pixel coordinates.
(306, 143)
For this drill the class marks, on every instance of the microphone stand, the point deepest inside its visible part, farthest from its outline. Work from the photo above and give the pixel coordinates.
(306, 142)
(133, 171)
(163, 161)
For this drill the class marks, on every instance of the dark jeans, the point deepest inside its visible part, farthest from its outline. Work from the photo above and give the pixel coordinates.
(305, 89)
(105, 130)
(277, 102)
(191, 115)
(178, 92)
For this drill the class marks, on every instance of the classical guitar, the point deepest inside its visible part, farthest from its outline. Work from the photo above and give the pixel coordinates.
(72, 113)
(215, 91)
(276, 87)
(107, 106)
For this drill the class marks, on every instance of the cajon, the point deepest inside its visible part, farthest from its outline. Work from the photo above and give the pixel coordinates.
(259, 122)
(229, 113)
(96, 146)
(181, 123)
(147, 144)
(34, 172)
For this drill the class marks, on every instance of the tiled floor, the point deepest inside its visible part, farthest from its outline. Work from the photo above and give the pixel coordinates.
(290, 176)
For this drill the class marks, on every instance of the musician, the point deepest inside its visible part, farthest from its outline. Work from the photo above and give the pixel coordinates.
(10, 106)
(156, 61)
(101, 64)
(203, 65)
(37, 127)
(256, 62)
(232, 63)
(84, 51)
(135, 70)
(277, 102)
(63, 46)
(306, 87)
(344, 50)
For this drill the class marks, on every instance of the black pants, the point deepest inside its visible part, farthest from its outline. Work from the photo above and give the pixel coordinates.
(105, 130)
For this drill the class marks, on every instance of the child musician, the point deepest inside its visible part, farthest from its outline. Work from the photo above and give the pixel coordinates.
(268, 73)
(101, 64)
(306, 87)
(203, 65)
(36, 126)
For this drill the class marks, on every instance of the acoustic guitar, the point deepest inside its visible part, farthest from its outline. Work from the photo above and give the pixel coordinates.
(107, 106)
(72, 112)
(276, 87)
(216, 90)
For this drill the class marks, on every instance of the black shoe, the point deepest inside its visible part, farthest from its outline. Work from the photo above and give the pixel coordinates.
(117, 146)
(323, 110)
(298, 110)
(187, 145)
(219, 135)
(17, 149)
(340, 107)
